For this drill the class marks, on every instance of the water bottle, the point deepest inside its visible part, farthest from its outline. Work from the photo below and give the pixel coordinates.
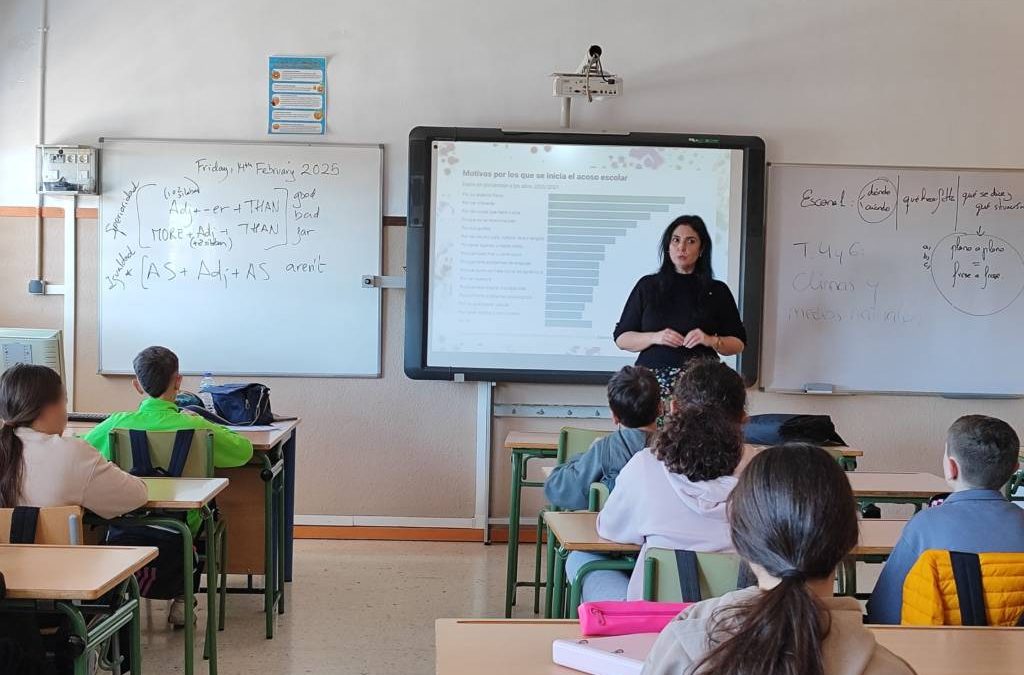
(204, 391)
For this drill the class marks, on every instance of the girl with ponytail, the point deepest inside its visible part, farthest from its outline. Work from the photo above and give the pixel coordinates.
(673, 495)
(793, 519)
(39, 466)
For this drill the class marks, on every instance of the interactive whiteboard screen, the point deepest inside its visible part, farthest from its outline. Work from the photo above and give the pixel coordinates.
(535, 246)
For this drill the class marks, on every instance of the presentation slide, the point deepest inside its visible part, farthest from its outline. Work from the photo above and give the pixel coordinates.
(535, 248)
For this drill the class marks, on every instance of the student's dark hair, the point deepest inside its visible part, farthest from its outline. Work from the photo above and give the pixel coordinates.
(634, 396)
(25, 390)
(155, 368)
(986, 449)
(793, 513)
(702, 270)
(703, 436)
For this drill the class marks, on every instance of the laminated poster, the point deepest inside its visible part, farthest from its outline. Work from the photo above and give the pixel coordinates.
(297, 95)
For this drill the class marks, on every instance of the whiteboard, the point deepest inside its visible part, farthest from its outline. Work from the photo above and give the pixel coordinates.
(891, 279)
(243, 258)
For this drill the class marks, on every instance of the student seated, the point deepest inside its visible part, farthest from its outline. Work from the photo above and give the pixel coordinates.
(42, 468)
(673, 495)
(634, 397)
(157, 379)
(792, 519)
(980, 457)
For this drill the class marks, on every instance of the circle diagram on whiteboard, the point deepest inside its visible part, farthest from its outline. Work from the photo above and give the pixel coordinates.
(977, 273)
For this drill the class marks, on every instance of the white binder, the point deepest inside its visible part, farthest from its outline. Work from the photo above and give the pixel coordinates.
(618, 655)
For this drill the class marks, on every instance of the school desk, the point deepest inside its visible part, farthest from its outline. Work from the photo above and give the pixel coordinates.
(261, 541)
(504, 647)
(877, 539)
(526, 445)
(522, 446)
(256, 536)
(896, 488)
(41, 578)
(577, 531)
(168, 499)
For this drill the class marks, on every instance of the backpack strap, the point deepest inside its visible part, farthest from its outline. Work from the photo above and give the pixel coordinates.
(969, 591)
(23, 524)
(142, 465)
(689, 577)
(179, 454)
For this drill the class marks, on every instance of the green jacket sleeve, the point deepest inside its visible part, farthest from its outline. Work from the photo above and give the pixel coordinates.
(229, 448)
(99, 437)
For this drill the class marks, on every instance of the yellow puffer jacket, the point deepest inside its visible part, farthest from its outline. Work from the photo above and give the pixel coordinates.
(930, 591)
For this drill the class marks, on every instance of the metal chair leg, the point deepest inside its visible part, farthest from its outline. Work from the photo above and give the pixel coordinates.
(222, 550)
(538, 544)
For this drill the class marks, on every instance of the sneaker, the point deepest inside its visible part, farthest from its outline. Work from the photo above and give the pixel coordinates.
(176, 615)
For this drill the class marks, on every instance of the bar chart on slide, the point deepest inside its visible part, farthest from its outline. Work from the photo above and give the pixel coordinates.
(581, 228)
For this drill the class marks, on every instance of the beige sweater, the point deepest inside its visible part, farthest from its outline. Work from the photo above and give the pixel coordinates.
(63, 471)
(849, 649)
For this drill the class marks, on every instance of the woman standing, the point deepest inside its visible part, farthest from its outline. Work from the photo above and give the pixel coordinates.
(682, 312)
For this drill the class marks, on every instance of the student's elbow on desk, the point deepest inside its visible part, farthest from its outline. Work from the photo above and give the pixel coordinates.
(112, 492)
(617, 525)
(564, 489)
(231, 453)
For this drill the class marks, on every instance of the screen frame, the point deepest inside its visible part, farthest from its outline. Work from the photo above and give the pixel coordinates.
(750, 297)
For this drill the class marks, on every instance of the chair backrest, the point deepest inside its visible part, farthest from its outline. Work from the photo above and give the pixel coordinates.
(951, 588)
(60, 525)
(598, 496)
(573, 441)
(199, 463)
(670, 575)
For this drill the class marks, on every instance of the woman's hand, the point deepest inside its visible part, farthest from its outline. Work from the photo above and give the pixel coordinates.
(697, 338)
(668, 338)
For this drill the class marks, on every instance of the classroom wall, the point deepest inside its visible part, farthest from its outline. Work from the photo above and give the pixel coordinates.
(919, 82)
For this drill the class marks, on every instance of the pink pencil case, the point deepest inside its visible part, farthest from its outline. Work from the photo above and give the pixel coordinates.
(627, 617)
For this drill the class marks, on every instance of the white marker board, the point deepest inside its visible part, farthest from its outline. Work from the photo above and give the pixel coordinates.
(887, 279)
(244, 258)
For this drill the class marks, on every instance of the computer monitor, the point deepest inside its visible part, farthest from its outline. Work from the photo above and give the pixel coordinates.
(41, 346)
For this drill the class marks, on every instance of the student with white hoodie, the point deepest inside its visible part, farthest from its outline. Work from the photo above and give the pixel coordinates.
(793, 519)
(673, 495)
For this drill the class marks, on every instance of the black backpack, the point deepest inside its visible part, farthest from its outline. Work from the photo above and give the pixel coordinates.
(21, 646)
(776, 428)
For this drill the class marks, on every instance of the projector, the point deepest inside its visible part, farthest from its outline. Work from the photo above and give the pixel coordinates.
(590, 80)
(571, 84)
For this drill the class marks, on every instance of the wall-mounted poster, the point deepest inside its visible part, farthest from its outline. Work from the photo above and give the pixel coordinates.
(297, 95)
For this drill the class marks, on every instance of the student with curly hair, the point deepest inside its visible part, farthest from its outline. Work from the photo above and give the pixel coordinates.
(673, 495)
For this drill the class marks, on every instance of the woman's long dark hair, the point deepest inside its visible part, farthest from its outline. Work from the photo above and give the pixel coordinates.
(792, 513)
(703, 435)
(24, 391)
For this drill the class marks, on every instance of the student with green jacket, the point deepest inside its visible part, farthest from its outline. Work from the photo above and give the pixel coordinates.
(157, 379)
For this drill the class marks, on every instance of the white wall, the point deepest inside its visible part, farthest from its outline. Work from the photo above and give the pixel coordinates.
(919, 82)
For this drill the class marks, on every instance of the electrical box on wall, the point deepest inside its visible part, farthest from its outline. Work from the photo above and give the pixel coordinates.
(67, 169)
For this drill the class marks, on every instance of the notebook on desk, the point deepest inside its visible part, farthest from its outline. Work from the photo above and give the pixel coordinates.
(619, 655)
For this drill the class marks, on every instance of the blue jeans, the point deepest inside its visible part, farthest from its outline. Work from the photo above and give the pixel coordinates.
(600, 585)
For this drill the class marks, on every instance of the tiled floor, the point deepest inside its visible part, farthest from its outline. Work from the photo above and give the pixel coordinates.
(354, 608)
